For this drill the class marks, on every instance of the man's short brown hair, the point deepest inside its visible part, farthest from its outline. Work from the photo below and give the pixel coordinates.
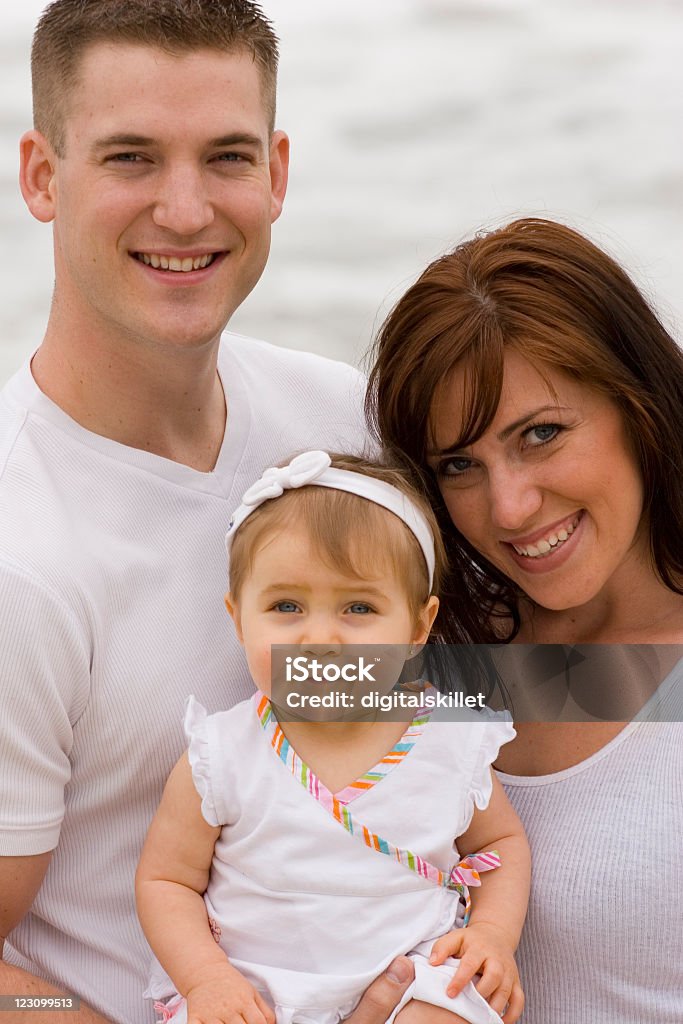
(68, 27)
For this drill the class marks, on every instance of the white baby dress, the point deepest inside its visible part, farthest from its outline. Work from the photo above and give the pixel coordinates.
(308, 912)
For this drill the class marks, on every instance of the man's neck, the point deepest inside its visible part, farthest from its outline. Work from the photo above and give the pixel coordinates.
(168, 401)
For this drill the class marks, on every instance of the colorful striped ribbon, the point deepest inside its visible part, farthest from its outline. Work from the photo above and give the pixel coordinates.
(460, 878)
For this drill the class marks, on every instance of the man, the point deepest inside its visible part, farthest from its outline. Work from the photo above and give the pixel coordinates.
(124, 447)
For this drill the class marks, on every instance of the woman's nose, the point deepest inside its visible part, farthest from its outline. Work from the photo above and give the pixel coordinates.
(514, 498)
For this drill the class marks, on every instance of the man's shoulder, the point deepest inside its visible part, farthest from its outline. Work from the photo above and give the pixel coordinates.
(41, 541)
(276, 363)
(12, 418)
(296, 400)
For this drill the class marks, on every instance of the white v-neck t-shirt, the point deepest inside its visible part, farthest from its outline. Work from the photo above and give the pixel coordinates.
(112, 578)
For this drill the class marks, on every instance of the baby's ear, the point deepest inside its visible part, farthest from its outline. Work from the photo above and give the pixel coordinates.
(425, 620)
(233, 612)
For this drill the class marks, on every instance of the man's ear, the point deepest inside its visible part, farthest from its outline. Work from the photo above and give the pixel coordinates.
(37, 168)
(279, 172)
(233, 612)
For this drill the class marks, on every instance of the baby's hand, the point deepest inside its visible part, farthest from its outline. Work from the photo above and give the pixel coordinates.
(223, 996)
(483, 949)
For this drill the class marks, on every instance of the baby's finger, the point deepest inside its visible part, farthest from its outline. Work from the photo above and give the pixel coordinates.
(515, 1005)
(447, 945)
(491, 978)
(501, 996)
(470, 965)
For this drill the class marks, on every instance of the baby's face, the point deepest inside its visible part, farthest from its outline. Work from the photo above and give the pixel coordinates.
(293, 598)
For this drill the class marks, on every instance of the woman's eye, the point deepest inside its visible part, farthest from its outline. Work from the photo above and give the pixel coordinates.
(286, 607)
(359, 608)
(541, 433)
(455, 466)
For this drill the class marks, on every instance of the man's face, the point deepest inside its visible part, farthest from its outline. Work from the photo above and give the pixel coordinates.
(168, 165)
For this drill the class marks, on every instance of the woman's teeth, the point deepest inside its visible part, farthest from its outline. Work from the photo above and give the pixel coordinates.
(175, 263)
(550, 543)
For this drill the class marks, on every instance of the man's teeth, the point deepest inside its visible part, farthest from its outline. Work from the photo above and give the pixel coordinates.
(175, 263)
(548, 544)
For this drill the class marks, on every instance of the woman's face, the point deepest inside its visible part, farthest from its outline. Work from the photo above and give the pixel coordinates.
(551, 494)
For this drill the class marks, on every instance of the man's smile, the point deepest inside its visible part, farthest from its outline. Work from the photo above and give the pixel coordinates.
(177, 264)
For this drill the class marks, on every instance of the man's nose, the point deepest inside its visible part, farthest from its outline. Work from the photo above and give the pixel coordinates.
(182, 204)
(514, 497)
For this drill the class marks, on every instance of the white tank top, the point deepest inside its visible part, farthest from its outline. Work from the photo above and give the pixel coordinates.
(603, 940)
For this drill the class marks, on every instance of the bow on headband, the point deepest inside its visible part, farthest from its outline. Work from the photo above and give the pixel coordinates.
(302, 470)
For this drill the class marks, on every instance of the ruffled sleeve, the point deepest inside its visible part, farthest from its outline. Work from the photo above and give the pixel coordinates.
(196, 726)
(492, 735)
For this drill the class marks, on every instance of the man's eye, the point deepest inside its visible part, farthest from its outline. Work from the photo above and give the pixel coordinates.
(286, 607)
(126, 158)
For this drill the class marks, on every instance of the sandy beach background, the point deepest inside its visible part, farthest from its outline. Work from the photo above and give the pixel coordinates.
(413, 123)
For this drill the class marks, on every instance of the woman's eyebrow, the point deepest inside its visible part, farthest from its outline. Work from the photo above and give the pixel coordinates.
(504, 434)
(510, 429)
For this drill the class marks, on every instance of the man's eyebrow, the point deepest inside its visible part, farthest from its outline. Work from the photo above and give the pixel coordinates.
(504, 434)
(237, 139)
(126, 139)
(123, 139)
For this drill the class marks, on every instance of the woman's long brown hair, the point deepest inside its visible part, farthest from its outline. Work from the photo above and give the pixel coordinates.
(544, 289)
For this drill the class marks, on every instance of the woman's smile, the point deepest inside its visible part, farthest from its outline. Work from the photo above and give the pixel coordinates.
(547, 548)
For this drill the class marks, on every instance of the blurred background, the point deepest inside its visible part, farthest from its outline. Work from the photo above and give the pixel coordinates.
(413, 124)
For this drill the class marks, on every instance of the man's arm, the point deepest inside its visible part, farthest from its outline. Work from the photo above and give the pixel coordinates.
(20, 880)
(14, 981)
(44, 671)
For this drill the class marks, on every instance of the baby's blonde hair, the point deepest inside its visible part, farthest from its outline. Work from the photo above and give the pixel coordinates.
(349, 533)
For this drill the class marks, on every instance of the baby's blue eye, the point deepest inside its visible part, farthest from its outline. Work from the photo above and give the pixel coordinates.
(287, 607)
(358, 608)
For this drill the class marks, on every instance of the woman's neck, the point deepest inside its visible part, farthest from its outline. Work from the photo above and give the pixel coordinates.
(639, 610)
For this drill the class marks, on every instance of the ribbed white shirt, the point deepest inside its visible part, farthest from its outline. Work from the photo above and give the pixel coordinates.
(112, 578)
(603, 939)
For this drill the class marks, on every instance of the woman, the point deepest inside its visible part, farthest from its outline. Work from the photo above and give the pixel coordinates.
(540, 400)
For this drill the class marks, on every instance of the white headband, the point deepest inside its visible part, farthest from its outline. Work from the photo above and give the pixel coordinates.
(314, 468)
